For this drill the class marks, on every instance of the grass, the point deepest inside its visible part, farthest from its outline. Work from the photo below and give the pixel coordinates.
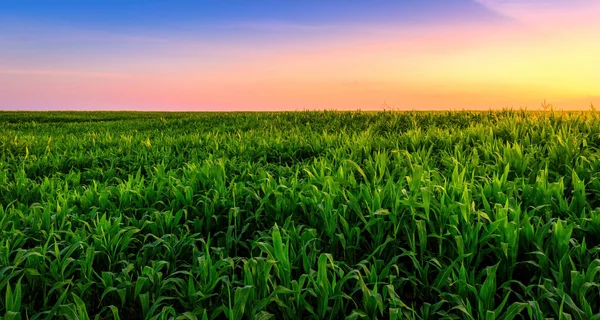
(310, 215)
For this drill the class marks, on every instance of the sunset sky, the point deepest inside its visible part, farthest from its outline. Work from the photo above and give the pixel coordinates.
(294, 55)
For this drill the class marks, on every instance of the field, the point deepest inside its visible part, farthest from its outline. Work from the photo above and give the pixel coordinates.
(308, 215)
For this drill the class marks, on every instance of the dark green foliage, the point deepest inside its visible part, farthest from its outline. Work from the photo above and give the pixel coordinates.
(311, 215)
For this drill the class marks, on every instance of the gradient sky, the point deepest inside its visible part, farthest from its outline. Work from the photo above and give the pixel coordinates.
(294, 55)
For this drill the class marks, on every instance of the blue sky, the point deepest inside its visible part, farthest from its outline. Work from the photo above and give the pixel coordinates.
(157, 15)
(226, 55)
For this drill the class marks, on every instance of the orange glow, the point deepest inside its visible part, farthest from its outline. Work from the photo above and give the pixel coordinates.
(517, 64)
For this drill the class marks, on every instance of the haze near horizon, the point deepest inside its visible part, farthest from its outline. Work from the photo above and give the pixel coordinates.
(276, 55)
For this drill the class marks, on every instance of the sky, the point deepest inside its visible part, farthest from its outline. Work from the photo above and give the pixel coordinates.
(268, 55)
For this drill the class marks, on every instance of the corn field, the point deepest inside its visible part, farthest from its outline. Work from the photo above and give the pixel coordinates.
(300, 215)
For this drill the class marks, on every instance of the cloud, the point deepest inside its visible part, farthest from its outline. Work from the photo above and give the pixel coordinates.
(549, 14)
(64, 73)
(269, 25)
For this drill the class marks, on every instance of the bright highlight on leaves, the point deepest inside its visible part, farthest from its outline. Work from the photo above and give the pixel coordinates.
(449, 215)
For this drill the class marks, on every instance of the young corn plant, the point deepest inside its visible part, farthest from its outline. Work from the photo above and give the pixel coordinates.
(289, 215)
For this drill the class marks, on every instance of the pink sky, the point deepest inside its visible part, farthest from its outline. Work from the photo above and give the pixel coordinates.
(543, 50)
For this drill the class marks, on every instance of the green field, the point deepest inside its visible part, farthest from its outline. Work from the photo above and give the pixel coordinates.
(308, 215)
